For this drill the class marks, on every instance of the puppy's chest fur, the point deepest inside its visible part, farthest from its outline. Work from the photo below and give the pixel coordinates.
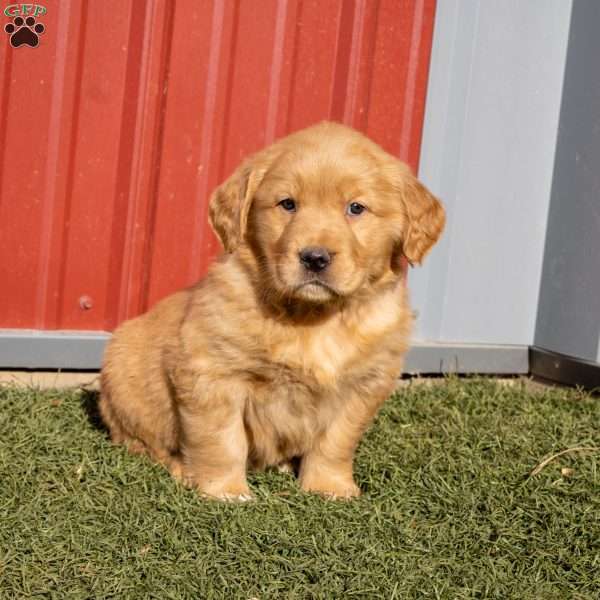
(328, 353)
(295, 377)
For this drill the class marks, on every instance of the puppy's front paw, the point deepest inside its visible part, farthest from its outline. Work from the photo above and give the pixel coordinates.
(331, 488)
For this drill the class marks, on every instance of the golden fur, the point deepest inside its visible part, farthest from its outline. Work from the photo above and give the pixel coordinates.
(264, 361)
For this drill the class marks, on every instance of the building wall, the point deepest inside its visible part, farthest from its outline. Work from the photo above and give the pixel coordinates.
(569, 309)
(488, 151)
(115, 129)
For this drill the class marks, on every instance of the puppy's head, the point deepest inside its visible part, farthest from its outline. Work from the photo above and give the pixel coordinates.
(326, 213)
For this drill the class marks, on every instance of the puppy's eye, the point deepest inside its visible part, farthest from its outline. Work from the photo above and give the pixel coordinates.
(288, 204)
(354, 208)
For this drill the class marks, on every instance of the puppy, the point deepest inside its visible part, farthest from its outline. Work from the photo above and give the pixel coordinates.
(295, 337)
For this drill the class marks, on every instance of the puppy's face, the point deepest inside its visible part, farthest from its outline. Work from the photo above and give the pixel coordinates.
(323, 222)
(327, 213)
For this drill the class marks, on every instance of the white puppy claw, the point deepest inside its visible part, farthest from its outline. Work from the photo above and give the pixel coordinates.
(233, 497)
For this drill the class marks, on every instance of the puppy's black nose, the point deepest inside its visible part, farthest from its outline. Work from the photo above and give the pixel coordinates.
(315, 258)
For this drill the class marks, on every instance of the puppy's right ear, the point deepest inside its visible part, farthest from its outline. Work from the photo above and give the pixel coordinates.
(230, 203)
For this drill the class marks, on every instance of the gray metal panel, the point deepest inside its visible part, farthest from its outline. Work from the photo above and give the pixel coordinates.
(491, 119)
(29, 349)
(565, 369)
(465, 358)
(79, 350)
(569, 309)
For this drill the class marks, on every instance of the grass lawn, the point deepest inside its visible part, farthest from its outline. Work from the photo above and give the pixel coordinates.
(448, 509)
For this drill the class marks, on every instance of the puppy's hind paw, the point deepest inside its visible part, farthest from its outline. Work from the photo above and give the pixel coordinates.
(285, 467)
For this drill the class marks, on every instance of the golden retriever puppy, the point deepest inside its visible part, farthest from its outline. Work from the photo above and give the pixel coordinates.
(295, 337)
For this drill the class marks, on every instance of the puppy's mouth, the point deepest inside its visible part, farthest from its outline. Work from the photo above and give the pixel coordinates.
(316, 290)
(318, 283)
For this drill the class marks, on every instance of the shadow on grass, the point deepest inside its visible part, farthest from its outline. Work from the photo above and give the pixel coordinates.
(89, 404)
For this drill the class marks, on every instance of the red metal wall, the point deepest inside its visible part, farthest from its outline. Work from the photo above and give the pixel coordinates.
(114, 130)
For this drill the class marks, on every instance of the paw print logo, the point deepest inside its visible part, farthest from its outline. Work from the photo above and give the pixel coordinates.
(24, 32)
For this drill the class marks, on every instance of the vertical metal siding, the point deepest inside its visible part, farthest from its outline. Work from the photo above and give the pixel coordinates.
(114, 130)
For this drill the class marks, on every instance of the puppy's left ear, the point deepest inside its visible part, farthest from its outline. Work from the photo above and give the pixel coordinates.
(425, 218)
(230, 203)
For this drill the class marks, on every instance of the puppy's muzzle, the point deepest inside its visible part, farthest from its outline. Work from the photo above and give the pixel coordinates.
(315, 258)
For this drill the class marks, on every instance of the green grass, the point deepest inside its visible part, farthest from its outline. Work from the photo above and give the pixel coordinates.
(448, 510)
